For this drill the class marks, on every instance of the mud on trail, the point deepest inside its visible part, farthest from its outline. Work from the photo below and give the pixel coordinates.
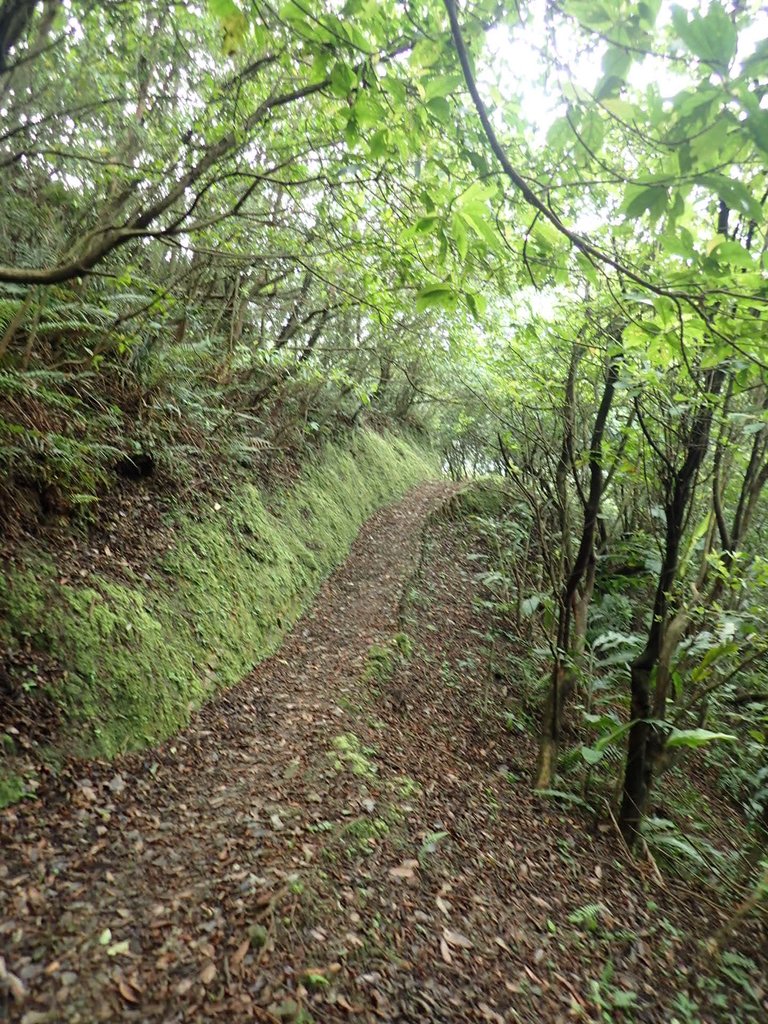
(348, 835)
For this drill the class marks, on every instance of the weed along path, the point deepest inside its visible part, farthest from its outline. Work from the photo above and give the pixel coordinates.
(348, 835)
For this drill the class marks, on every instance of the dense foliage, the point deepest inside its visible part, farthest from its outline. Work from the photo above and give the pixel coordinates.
(535, 231)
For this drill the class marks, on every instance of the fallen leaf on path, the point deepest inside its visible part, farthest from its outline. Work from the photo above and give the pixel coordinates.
(126, 991)
(119, 948)
(208, 973)
(489, 1014)
(346, 1005)
(405, 870)
(237, 957)
(14, 985)
(117, 784)
(531, 975)
(445, 952)
(454, 938)
(286, 1010)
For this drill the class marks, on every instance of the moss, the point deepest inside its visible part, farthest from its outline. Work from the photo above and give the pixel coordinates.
(379, 664)
(22, 601)
(12, 789)
(351, 754)
(405, 787)
(381, 661)
(403, 645)
(361, 836)
(487, 498)
(140, 656)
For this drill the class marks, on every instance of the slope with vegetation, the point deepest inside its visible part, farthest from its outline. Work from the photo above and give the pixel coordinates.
(531, 237)
(118, 641)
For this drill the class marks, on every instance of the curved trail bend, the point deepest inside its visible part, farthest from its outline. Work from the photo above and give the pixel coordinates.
(131, 894)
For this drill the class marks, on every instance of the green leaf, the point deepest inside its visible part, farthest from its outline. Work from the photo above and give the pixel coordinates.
(315, 979)
(441, 296)
(576, 93)
(478, 192)
(735, 255)
(440, 108)
(459, 232)
(442, 85)
(531, 604)
(475, 216)
(425, 224)
(546, 233)
(368, 111)
(622, 109)
(560, 135)
(425, 53)
(696, 737)
(713, 655)
(711, 37)
(587, 268)
(648, 11)
(623, 999)
(233, 22)
(395, 87)
(733, 193)
(477, 304)
(652, 199)
(678, 243)
(757, 125)
(378, 144)
(591, 754)
(343, 80)
(616, 63)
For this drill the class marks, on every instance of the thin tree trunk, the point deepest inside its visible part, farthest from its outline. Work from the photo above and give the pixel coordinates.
(564, 671)
(642, 752)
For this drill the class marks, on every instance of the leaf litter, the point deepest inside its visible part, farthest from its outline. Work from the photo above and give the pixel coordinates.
(237, 873)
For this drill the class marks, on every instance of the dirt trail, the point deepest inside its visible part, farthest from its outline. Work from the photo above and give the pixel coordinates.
(350, 835)
(129, 895)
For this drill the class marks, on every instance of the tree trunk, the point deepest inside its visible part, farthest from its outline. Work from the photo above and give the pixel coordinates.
(572, 603)
(645, 748)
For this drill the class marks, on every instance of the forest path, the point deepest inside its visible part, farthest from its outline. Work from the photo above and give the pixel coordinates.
(349, 835)
(130, 895)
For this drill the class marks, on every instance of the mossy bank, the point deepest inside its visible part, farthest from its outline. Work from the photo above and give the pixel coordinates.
(137, 657)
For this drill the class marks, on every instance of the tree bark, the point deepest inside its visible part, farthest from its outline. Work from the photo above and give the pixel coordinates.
(572, 604)
(644, 751)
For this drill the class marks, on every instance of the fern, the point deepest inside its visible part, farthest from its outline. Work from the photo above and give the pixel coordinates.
(588, 916)
(684, 854)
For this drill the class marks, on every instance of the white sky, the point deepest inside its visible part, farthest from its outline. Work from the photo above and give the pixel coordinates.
(518, 67)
